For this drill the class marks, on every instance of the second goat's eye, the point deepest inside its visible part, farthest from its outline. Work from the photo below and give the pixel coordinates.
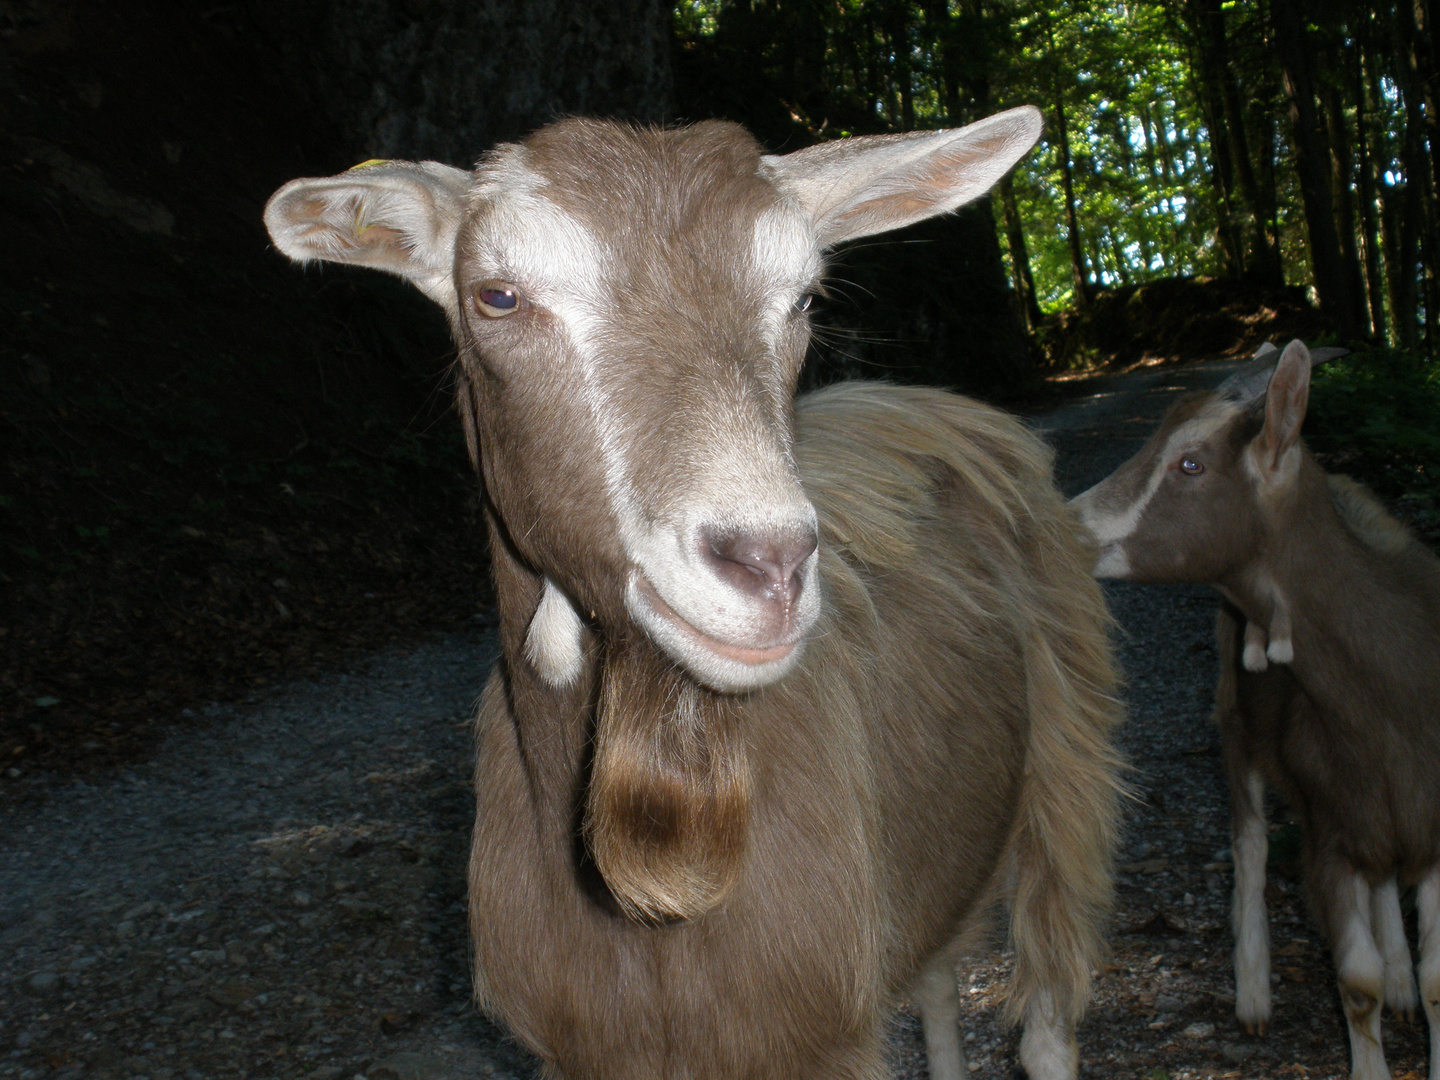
(496, 299)
(1190, 467)
(803, 304)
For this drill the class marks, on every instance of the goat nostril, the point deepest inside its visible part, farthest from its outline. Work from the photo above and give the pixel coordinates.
(767, 566)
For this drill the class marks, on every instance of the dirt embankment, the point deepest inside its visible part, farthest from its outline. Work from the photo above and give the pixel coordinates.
(1176, 320)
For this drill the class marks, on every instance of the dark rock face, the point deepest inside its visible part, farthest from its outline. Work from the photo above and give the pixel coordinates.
(445, 79)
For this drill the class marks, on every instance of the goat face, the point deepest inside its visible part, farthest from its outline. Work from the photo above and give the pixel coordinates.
(637, 347)
(1180, 510)
(630, 309)
(1195, 504)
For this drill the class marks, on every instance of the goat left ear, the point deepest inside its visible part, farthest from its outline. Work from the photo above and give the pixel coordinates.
(400, 216)
(1285, 402)
(871, 184)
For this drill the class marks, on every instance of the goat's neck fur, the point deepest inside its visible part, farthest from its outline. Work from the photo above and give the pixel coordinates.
(654, 764)
(1345, 596)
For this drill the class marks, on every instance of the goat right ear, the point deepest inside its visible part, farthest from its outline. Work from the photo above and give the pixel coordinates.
(1285, 403)
(399, 216)
(871, 184)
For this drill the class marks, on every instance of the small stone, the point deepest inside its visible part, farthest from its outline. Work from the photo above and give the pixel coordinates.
(392, 1023)
(1168, 1003)
(231, 993)
(1201, 1029)
(1237, 1052)
(42, 982)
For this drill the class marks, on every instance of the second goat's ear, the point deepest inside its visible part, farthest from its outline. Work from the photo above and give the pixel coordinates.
(1285, 402)
(872, 184)
(399, 216)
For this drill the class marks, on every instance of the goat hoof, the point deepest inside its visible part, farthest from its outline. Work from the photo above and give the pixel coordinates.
(1258, 1028)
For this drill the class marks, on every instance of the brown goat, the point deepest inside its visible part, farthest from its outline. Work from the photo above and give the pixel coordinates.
(791, 691)
(1332, 690)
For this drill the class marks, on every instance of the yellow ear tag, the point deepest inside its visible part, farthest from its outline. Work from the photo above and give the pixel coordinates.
(367, 164)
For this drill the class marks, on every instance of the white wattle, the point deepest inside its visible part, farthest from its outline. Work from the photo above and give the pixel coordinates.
(553, 644)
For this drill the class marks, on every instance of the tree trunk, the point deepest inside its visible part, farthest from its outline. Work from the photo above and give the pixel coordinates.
(1410, 230)
(1369, 227)
(1021, 278)
(446, 79)
(1207, 24)
(1341, 188)
(1262, 253)
(1336, 298)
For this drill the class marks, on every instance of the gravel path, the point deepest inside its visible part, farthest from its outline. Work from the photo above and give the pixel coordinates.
(279, 891)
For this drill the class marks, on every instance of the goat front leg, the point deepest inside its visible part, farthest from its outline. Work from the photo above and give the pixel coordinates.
(1389, 926)
(939, 1000)
(1427, 905)
(1344, 899)
(1251, 846)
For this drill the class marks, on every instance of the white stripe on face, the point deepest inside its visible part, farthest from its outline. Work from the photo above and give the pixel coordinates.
(565, 269)
(734, 472)
(1113, 526)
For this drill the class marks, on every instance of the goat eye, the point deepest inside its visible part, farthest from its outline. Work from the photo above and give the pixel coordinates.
(803, 304)
(1191, 467)
(496, 298)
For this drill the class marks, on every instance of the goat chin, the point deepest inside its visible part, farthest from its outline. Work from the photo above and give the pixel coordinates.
(725, 666)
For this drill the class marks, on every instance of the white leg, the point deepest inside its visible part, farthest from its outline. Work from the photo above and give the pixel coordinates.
(1389, 927)
(1253, 656)
(1361, 972)
(1251, 845)
(939, 1001)
(1047, 1048)
(1427, 903)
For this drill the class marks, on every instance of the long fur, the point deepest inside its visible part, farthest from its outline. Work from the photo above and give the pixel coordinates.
(944, 741)
(1064, 833)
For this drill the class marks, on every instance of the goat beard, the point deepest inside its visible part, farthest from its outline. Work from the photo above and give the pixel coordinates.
(668, 804)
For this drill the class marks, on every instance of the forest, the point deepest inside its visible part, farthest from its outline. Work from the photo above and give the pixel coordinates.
(1274, 142)
(1212, 173)
(218, 469)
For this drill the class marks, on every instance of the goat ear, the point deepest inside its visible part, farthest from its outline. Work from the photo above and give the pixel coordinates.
(399, 216)
(1323, 355)
(871, 184)
(1285, 402)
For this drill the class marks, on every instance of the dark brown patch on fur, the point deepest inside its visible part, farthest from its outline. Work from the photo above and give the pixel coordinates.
(668, 802)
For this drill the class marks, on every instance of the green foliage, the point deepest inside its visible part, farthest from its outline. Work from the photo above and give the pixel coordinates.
(1140, 152)
(1375, 414)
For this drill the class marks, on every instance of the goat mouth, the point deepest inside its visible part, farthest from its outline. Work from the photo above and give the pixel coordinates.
(741, 654)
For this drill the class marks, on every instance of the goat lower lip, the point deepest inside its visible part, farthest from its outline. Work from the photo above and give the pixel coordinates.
(769, 654)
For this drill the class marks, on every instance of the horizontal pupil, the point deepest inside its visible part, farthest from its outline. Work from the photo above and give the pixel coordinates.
(498, 298)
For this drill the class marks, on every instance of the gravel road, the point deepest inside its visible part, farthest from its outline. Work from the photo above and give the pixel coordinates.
(278, 891)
